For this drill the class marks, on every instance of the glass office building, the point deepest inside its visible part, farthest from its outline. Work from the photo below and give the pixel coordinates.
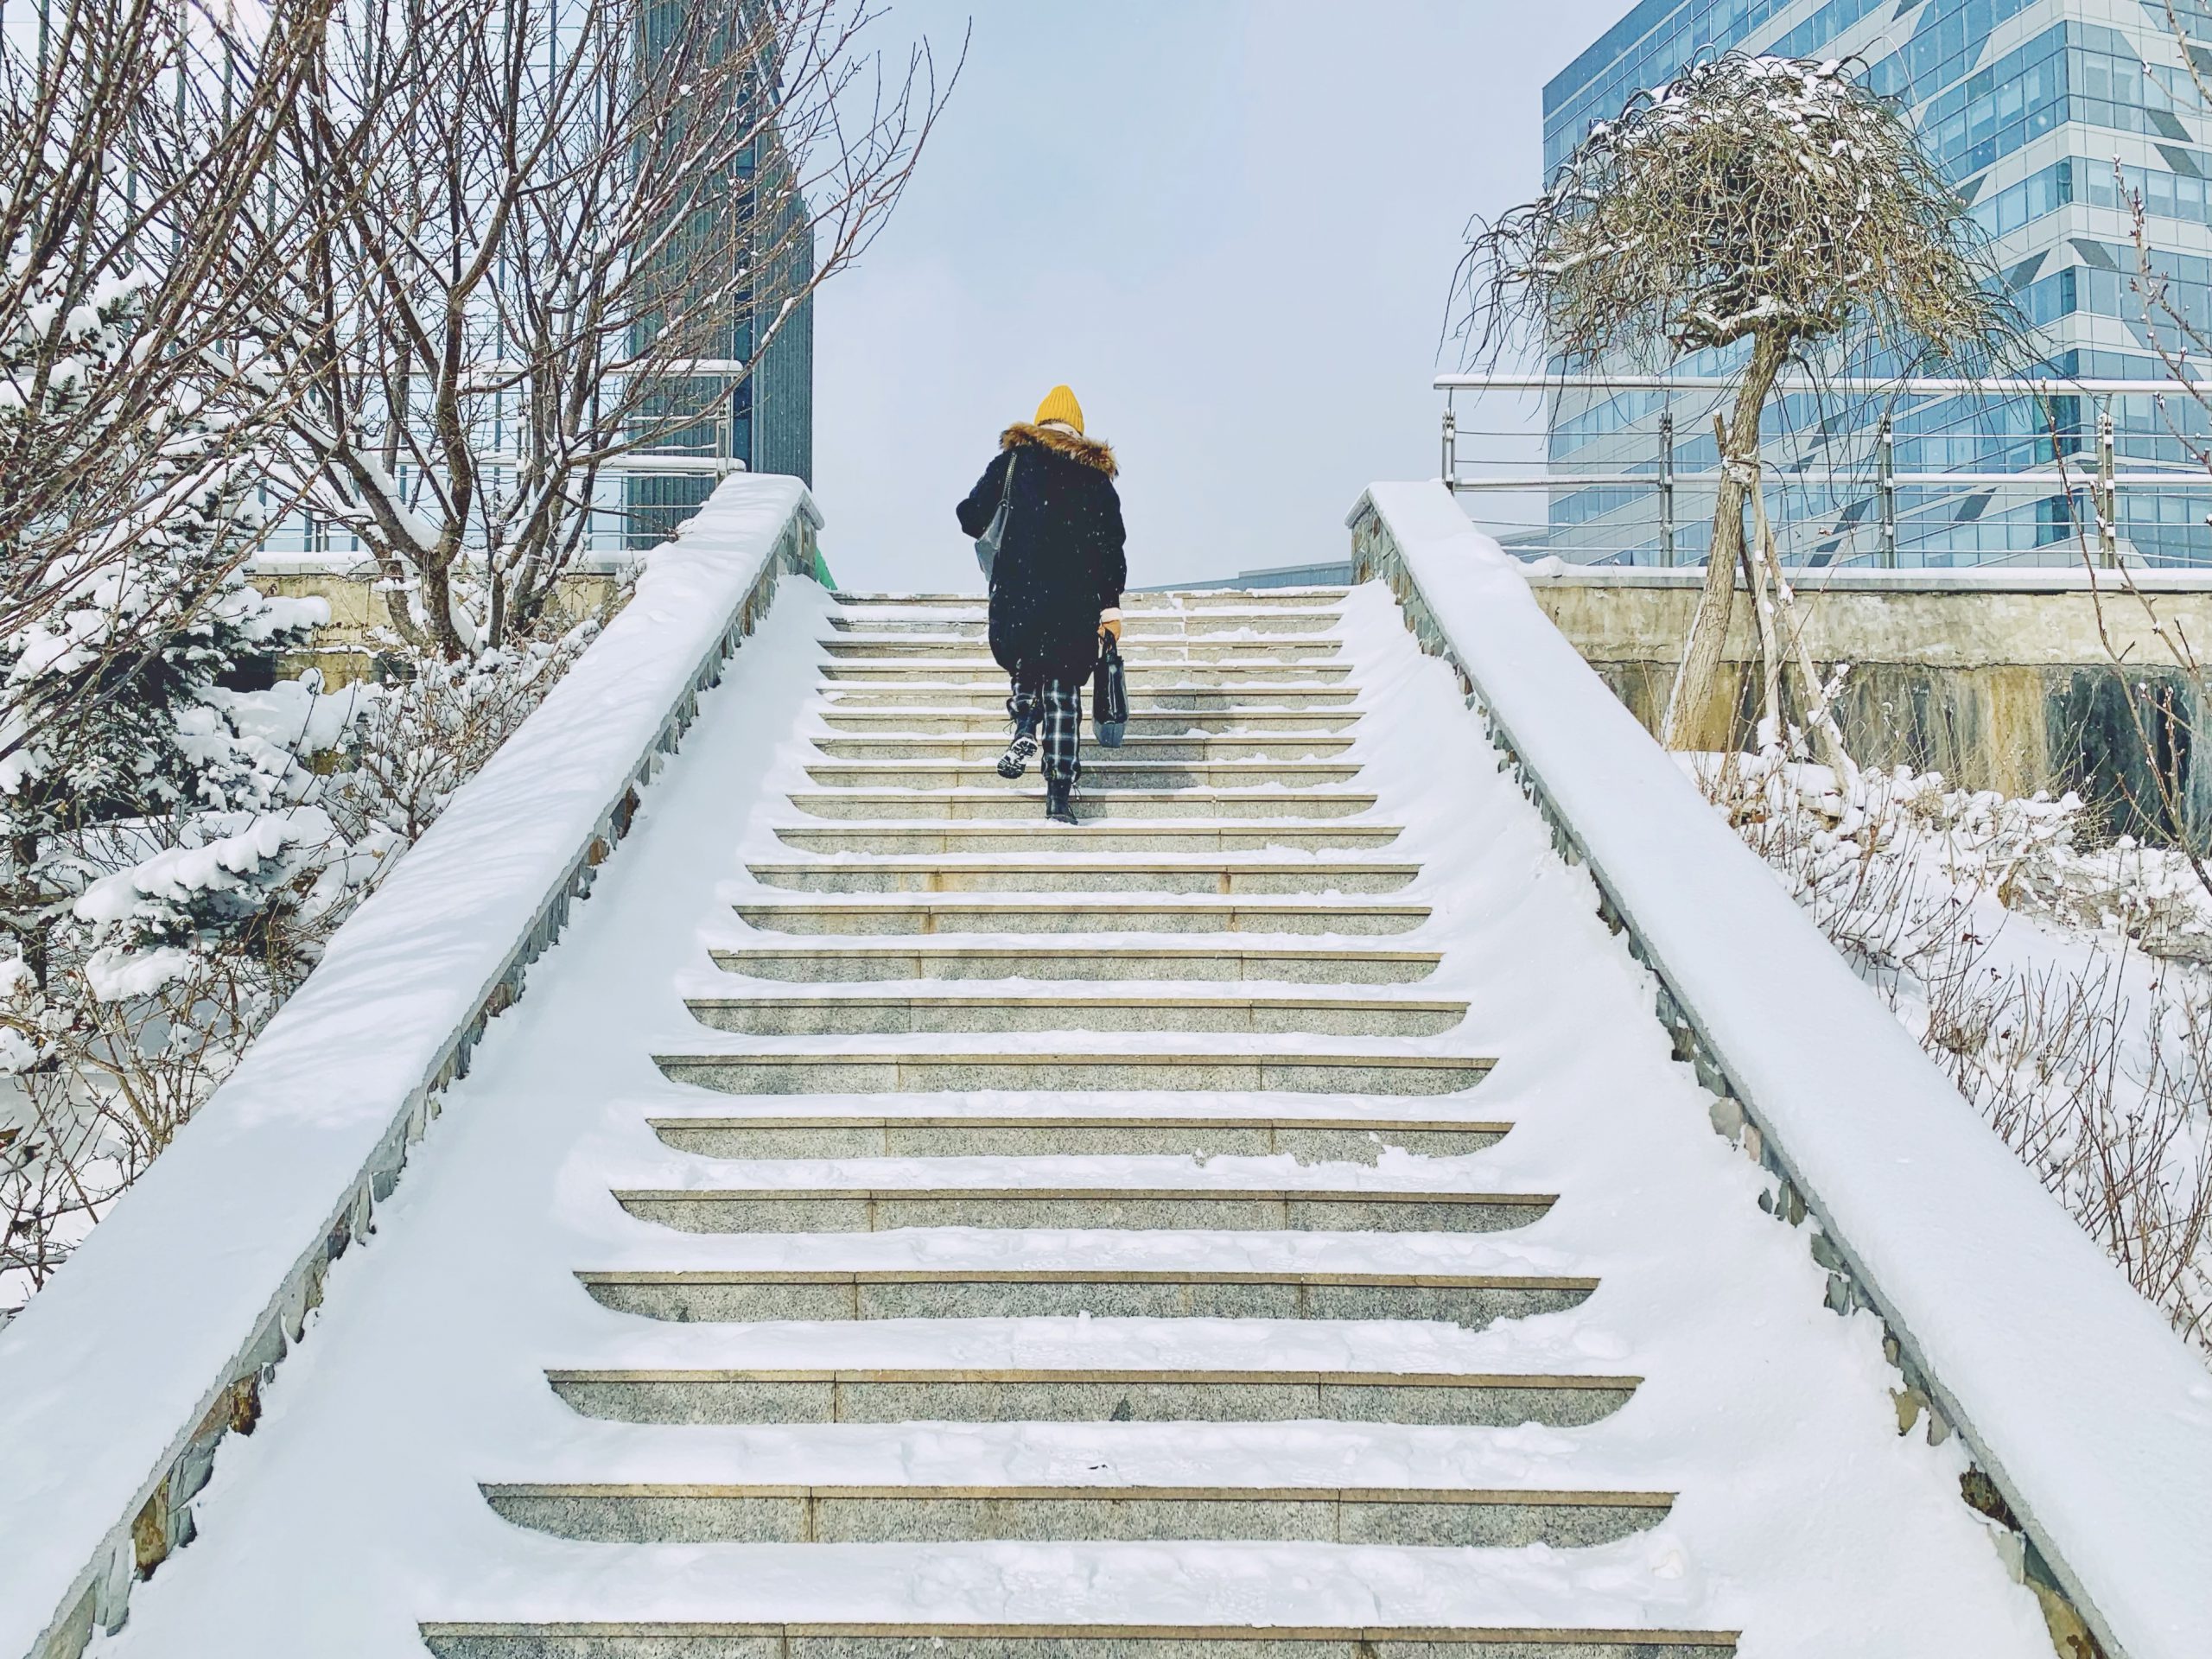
(2047, 114)
(764, 422)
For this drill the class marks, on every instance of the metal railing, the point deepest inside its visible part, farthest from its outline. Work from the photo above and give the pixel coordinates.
(2113, 460)
(302, 533)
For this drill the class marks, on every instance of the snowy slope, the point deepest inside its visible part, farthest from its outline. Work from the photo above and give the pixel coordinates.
(1803, 1519)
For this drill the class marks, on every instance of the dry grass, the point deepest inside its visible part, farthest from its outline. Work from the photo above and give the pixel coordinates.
(2101, 1086)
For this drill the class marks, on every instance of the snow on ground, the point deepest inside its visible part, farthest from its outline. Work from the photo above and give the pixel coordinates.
(1804, 1519)
(2063, 978)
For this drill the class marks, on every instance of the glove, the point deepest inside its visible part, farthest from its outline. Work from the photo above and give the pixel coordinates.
(1110, 622)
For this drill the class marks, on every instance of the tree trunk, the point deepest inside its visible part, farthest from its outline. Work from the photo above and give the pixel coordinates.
(437, 610)
(1827, 731)
(1685, 725)
(1770, 729)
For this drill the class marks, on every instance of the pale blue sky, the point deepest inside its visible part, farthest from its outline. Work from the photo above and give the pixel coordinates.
(1230, 226)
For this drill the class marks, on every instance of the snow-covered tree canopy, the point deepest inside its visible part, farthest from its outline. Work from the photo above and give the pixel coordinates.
(1750, 196)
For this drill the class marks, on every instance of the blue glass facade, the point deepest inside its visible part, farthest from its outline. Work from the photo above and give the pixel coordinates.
(2042, 113)
(764, 421)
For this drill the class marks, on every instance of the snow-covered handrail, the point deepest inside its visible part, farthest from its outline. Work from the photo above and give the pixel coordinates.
(2092, 1419)
(120, 1377)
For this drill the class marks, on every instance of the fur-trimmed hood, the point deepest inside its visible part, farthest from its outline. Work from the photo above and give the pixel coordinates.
(1090, 451)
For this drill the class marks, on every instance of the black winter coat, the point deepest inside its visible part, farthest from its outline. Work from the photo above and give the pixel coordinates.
(1061, 560)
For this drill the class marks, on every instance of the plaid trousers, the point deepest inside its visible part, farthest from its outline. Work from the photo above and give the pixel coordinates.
(1052, 709)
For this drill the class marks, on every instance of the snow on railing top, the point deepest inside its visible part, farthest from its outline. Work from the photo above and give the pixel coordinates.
(2093, 1419)
(119, 1363)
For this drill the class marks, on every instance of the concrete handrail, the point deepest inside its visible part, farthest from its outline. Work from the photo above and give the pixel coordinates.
(118, 1379)
(2091, 1418)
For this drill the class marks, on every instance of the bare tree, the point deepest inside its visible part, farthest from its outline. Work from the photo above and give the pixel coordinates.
(1771, 204)
(545, 272)
(139, 251)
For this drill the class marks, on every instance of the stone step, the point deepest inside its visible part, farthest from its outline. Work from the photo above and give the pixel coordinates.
(1449, 1399)
(826, 1016)
(1210, 1208)
(1207, 598)
(1241, 701)
(971, 655)
(1012, 802)
(872, 916)
(634, 1640)
(1434, 1517)
(1102, 769)
(983, 743)
(1178, 839)
(1140, 624)
(1143, 677)
(1211, 963)
(857, 1071)
(1217, 876)
(990, 721)
(1095, 1135)
(1474, 1301)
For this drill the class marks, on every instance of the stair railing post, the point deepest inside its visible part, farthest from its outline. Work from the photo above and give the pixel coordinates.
(1886, 491)
(1666, 488)
(1451, 446)
(2107, 490)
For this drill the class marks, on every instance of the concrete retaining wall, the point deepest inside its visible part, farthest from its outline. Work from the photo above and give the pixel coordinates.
(346, 649)
(2007, 680)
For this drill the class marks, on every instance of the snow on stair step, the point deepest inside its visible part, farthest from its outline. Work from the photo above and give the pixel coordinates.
(988, 721)
(983, 742)
(1448, 1517)
(1239, 598)
(1107, 958)
(847, 1015)
(1112, 772)
(981, 673)
(1246, 701)
(1223, 1207)
(1167, 1395)
(970, 1640)
(856, 1068)
(1309, 1139)
(983, 802)
(948, 1291)
(1175, 838)
(1187, 876)
(1139, 627)
(876, 914)
(973, 654)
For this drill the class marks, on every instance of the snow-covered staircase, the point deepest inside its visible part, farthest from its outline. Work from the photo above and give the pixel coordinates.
(1093, 1242)
(1230, 786)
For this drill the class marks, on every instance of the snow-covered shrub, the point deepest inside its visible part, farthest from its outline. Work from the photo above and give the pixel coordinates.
(161, 868)
(2058, 982)
(179, 829)
(168, 938)
(419, 739)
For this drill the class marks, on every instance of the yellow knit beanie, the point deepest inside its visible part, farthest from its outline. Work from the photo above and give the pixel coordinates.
(1060, 404)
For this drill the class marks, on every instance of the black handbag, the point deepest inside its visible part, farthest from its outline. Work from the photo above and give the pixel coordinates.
(1110, 695)
(994, 536)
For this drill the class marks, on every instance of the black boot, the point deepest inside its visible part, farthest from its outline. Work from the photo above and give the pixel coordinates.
(1019, 753)
(1057, 807)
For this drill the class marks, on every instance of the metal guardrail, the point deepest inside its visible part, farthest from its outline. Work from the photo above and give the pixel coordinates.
(2092, 461)
(305, 534)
